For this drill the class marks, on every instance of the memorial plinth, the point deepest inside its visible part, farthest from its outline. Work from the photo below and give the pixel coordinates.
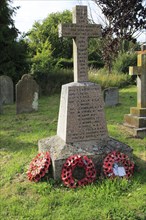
(82, 125)
(136, 120)
(81, 114)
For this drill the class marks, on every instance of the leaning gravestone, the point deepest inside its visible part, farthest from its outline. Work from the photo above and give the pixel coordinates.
(82, 125)
(136, 120)
(111, 96)
(26, 95)
(6, 90)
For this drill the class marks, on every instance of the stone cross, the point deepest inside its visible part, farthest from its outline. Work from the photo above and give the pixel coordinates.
(140, 71)
(80, 31)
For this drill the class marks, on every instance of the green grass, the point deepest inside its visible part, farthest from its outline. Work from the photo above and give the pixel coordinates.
(104, 200)
(106, 80)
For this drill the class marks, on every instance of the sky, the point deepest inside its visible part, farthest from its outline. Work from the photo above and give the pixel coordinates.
(37, 10)
(34, 10)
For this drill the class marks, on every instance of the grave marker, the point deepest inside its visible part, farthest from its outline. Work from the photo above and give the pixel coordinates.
(6, 90)
(26, 95)
(111, 96)
(81, 115)
(137, 117)
(81, 126)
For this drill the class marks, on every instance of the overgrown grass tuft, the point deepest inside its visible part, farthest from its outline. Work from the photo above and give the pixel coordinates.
(48, 200)
(51, 83)
(106, 80)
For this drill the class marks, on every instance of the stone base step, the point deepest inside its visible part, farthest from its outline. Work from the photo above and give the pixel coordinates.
(60, 151)
(137, 132)
(135, 121)
(139, 112)
(141, 132)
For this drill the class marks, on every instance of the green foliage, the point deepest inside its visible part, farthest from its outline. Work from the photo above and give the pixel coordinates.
(42, 60)
(8, 34)
(97, 64)
(68, 63)
(123, 62)
(13, 53)
(106, 80)
(51, 82)
(94, 53)
(48, 31)
(60, 48)
(45, 48)
(64, 63)
(120, 27)
(20, 60)
(103, 200)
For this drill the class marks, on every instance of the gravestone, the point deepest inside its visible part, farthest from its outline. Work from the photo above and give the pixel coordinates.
(26, 95)
(6, 90)
(82, 125)
(136, 120)
(111, 96)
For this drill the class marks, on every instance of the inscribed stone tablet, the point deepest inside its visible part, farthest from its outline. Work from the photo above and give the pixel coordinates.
(81, 113)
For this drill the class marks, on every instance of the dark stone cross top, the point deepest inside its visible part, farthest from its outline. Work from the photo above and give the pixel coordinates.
(80, 31)
(140, 71)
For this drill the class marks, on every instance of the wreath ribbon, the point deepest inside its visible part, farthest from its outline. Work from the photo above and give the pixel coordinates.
(117, 164)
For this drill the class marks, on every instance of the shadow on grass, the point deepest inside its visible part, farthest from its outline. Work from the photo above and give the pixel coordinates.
(12, 145)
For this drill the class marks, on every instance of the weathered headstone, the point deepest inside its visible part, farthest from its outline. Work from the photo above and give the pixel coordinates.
(81, 126)
(111, 96)
(26, 95)
(6, 90)
(136, 120)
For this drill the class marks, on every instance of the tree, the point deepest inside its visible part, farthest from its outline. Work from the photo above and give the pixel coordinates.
(124, 19)
(42, 60)
(59, 50)
(47, 31)
(45, 47)
(94, 53)
(12, 51)
(8, 34)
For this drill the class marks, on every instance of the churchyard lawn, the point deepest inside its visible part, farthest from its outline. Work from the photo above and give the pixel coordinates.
(49, 200)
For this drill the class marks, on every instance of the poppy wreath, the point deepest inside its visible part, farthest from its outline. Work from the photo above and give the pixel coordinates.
(39, 166)
(115, 160)
(78, 161)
